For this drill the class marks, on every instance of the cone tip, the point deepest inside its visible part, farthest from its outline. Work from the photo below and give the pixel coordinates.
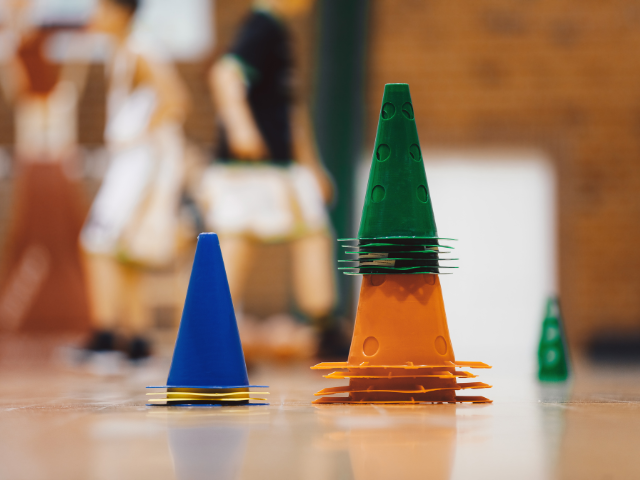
(396, 87)
(208, 237)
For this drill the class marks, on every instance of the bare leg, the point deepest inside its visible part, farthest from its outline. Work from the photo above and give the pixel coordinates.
(136, 312)
(104, 284)
(313, 274)
(238, 253)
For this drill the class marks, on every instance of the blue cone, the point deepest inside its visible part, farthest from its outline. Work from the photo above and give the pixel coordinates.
(208, 352)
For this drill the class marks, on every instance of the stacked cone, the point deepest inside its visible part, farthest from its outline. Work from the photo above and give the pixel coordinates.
(208, 366)
(553, 364)
(401, 351)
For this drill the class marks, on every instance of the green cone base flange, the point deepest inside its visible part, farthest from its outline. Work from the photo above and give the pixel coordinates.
(386, 272)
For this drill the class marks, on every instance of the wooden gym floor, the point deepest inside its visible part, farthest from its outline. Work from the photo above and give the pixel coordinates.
(62, 424)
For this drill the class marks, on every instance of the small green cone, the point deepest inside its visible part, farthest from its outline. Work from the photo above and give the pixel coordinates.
(552, 353)
(397, 203)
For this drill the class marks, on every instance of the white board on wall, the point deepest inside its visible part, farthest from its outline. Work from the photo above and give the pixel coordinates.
(501, 206)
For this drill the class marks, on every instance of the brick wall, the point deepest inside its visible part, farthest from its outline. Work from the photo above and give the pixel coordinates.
(562, 75)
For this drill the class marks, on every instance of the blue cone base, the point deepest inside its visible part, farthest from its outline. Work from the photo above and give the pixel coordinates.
(206, 405)
(209, 386)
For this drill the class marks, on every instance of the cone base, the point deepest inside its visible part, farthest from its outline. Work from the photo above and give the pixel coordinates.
(349, 400)
(205, 396)
(401, 384)
(190, 401)
(205, 405)
(210, 387)
(408, 366)
(389, 389)
(409, 374)
(397, 256)
(553, 377)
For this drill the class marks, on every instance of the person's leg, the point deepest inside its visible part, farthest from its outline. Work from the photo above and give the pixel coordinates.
(104, 284)
(314, 285)
(237, 253)
(313, 275)
(137, 318)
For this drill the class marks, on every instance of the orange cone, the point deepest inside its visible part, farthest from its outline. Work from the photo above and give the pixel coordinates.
(401, 351)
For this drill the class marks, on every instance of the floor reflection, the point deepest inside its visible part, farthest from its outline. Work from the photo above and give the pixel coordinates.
(208, 452)
(394, 441)
(601, 429)
(553, 397)
(209, 442)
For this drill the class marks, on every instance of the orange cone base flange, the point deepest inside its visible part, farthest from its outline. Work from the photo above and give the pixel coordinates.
(391, 374)
(349, 400)
(401, 384)
(417, 389)
(408, 366)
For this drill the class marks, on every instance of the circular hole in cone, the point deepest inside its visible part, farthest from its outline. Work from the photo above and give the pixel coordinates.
(377, 194)
(370, 346)
(441, 345)
(383, 152)
(414, 151)
(550, 358)
(388, 111)
(377, 280)
(551, 334)
(422, 194)
(407, 110)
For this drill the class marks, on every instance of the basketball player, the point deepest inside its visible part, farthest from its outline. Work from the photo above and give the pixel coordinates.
(269, 184)
(132, 225)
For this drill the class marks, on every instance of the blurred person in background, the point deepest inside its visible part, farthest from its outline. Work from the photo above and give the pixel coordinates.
(41, 284)
(133, 223)
(268, 184)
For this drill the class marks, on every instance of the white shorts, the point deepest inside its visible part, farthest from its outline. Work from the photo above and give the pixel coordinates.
(134, 216)
(267, 202)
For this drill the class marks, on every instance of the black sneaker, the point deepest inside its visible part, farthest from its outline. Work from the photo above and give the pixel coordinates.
(333, 345)
(138, 349)
(102, 341)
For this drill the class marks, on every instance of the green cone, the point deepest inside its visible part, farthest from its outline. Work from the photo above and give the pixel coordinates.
(552, 352)
(397, 203)
(397, 214)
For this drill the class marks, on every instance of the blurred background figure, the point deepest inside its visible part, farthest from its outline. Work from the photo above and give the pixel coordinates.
(269, 184)
(528, 125)
(133, 222)
(41, 283)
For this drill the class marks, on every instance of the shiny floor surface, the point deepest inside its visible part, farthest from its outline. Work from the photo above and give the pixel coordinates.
(69, 425)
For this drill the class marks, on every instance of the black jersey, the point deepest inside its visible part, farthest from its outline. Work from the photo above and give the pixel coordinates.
(263, 49)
